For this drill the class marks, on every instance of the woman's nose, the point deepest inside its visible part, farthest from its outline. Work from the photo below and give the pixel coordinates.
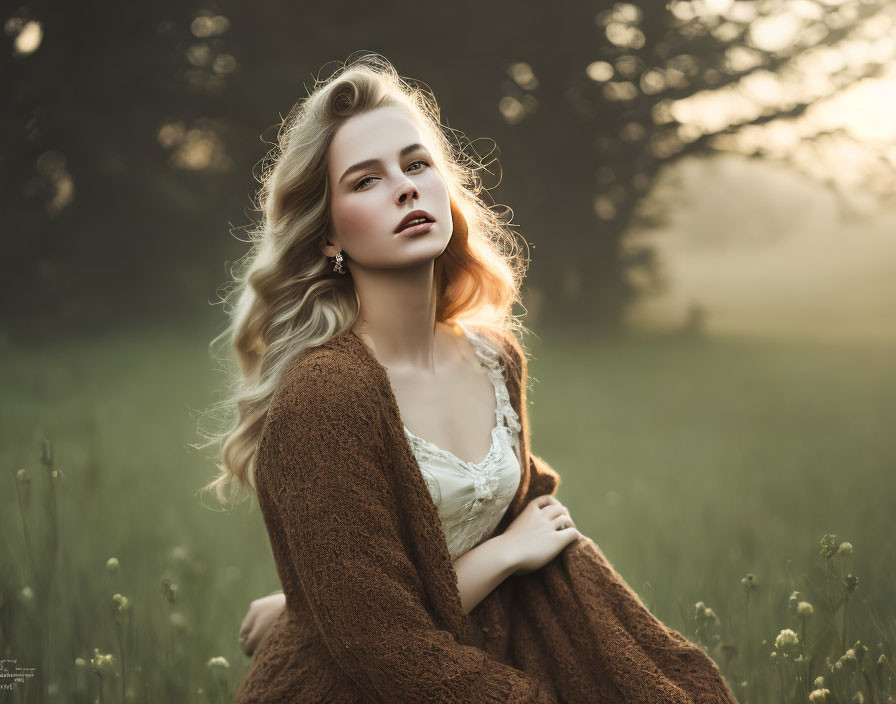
(407, 189)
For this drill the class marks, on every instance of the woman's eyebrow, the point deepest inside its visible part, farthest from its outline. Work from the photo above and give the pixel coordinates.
(375, 162)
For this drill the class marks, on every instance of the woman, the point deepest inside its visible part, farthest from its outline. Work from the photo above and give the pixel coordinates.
(383, 427)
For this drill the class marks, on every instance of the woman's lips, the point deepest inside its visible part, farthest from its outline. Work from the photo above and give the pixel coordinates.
(417, 229)
(413, 215)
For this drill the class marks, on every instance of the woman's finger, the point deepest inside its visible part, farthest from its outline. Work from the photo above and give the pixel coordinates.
(545, 500)
(247, 643)
(562, 521)
(248, 622)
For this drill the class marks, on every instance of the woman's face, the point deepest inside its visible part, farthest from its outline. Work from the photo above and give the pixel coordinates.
(368, 203)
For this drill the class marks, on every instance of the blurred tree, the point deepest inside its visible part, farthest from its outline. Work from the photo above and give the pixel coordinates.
(594, 125)
(130, 130)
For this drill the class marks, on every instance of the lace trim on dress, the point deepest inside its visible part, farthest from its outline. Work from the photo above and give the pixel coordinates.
(494, 367)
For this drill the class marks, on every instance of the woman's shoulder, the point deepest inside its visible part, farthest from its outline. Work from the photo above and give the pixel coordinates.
(332, 375)
(326, 398)
(503, 342)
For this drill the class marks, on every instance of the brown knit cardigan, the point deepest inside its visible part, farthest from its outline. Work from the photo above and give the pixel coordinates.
(373, 612)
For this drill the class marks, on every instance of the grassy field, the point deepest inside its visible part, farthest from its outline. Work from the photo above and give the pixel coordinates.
(690, 462)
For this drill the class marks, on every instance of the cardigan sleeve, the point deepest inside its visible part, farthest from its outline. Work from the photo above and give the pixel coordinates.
(321, 462)
(545, 478)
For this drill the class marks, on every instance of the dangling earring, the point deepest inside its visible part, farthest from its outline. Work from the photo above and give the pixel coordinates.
(337, 265)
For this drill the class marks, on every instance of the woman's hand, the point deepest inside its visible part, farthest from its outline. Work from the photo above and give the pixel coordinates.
(259, 618)
(539, 534)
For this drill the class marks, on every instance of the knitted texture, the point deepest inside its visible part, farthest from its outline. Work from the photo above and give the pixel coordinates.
(373, 612)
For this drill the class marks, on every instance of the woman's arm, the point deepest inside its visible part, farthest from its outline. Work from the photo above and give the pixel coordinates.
(481, 569)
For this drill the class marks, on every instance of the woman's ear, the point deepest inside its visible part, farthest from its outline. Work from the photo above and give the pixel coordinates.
(328, 249)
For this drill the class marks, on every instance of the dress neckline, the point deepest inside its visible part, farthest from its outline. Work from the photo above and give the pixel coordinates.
(489, 363)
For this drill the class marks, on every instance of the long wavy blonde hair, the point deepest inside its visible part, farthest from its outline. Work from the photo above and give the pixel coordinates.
(287, 297)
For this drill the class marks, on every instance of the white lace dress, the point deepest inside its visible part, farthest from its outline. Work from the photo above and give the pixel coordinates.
(471, 497)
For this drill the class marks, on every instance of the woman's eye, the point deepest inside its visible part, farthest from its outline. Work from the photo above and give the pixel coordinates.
(367, 178)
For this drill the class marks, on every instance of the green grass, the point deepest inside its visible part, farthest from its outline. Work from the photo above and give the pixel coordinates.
(690, 462)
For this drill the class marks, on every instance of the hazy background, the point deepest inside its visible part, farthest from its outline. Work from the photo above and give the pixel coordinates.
(706, 189)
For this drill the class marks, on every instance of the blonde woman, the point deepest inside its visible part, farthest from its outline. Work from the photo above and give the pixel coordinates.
(382, 424)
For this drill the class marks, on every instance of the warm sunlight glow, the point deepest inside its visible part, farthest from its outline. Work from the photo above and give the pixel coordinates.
(776, 32)
(761, 250)
(196, 149)
(844, 128)
(29, 38)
